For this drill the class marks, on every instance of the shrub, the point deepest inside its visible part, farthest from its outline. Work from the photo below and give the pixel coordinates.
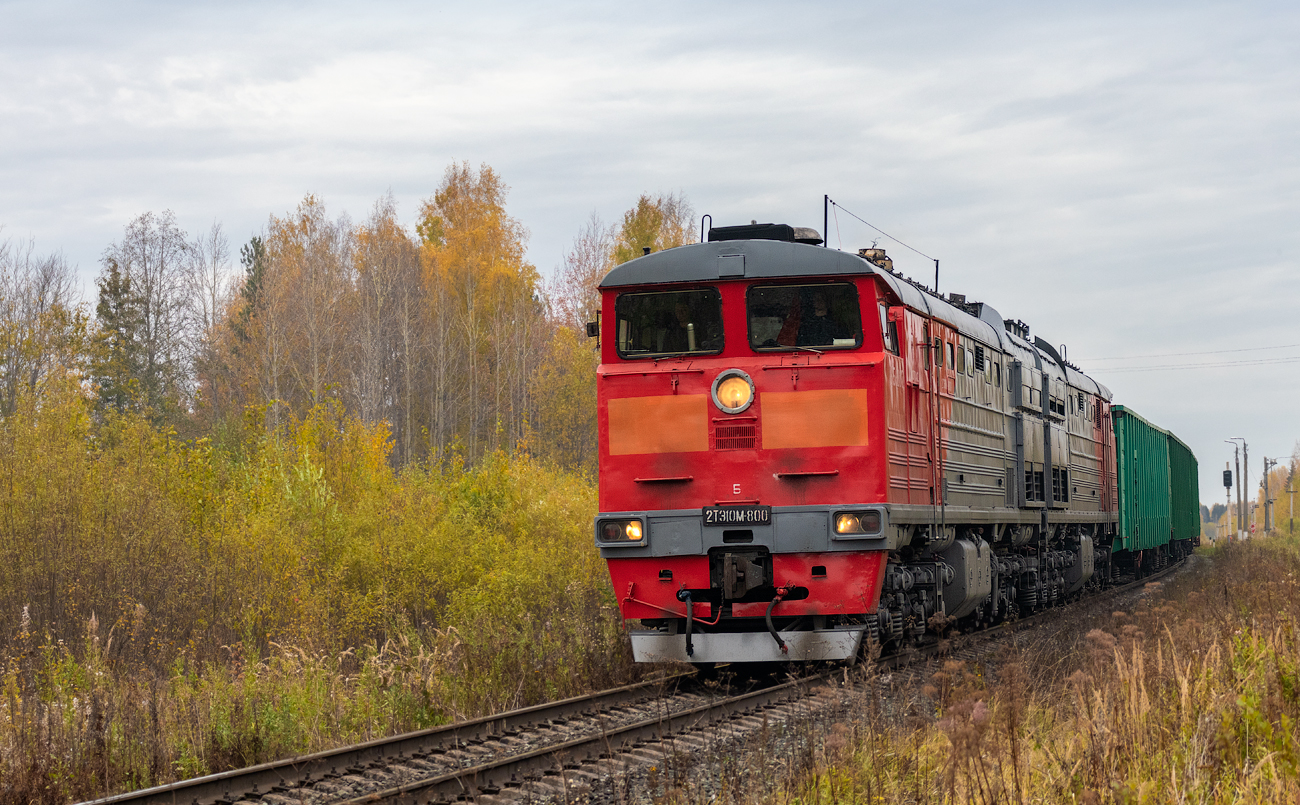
(171, 608)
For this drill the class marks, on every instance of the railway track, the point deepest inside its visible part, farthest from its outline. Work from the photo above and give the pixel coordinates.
(548, 751)
(319, 777)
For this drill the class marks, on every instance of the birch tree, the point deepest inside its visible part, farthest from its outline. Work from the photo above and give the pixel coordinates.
(654, 222)
(309, 259)
(152, 260)
(484, 302)
(209, 297)
(387, 303)
(41, 326)
(575, 295)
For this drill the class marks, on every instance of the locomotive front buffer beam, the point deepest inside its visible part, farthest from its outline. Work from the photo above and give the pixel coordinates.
(827, 645)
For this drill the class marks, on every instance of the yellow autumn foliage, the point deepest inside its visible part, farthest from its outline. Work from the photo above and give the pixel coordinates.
(131, 558)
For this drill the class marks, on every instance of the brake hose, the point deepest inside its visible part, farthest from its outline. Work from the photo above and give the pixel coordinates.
(771, 628)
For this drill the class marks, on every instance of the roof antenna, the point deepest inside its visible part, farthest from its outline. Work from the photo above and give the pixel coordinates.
(826, 219)
(702, 217)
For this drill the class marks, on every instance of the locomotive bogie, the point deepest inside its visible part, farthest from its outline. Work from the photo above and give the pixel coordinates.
(1080, 573)
(969, 580)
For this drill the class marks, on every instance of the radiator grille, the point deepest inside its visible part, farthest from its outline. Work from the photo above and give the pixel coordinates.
(740, 436)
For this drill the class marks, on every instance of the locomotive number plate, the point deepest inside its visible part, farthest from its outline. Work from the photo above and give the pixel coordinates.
(737, 515)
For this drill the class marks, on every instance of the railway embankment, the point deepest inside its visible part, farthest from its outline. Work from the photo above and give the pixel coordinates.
(720, 735)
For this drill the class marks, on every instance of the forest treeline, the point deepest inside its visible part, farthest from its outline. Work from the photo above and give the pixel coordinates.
(441, 330)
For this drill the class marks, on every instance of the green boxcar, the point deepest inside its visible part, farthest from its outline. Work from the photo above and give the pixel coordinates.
(1184, 491)
(1142, 458)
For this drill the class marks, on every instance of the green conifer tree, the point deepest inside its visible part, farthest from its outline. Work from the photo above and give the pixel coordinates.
(118, 360)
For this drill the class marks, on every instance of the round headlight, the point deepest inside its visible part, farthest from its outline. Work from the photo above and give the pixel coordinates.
(733, 391)
(846, 524)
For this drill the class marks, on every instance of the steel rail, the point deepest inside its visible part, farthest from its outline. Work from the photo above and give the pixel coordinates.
(492, 776)
(276, 776)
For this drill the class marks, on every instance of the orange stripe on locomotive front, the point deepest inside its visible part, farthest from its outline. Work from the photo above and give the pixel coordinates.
(667, 424)
(823, 418)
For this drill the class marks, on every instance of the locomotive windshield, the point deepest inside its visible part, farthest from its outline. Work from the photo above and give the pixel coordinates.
(652, 325)
(793, 316)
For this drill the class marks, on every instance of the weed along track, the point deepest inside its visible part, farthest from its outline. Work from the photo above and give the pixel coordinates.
(606, 745)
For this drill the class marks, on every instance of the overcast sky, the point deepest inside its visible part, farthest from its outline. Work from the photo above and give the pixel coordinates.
(1122, 177)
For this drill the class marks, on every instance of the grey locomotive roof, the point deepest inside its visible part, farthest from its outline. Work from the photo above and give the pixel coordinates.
(698, 262)
(763, 259)
(771, 259)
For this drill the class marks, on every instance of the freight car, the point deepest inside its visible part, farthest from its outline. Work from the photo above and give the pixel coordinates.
(803, 452)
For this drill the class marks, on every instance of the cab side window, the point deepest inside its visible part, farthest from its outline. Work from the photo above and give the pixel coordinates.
(889, 330)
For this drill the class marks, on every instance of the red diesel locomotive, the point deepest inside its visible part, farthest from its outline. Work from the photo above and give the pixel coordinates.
(800, 450)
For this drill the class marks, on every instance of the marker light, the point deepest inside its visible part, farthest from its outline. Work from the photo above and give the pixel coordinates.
(733, 391)
(614, 531)
(864, 522)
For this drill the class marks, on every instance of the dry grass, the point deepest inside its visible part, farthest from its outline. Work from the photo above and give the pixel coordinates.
(1194, 697)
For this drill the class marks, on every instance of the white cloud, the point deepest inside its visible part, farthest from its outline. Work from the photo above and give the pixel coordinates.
(1124, 179)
